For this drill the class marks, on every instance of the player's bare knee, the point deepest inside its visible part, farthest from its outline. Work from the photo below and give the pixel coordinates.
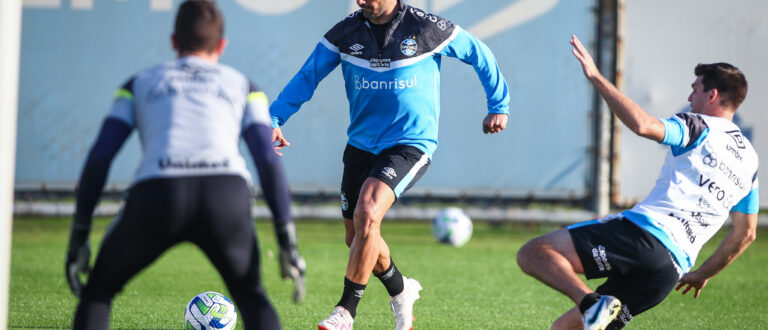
(524, 257)
(366, 227)
(529, 254)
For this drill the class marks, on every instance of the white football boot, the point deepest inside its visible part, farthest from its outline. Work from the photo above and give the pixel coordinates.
(340, 319)
(601, 313)
(402, 304)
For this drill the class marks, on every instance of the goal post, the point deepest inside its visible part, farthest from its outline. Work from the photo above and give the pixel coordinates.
(10, 39)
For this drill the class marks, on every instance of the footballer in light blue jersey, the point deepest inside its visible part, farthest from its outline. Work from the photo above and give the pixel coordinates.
(390, 55)
(393, 83)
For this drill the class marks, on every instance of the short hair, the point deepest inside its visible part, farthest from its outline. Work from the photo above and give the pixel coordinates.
(727, 79)
(199, 26)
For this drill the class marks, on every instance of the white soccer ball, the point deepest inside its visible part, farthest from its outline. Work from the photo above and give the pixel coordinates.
(210, 310)
(452, 226)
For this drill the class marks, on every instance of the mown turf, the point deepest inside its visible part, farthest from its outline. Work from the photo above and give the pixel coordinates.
(478, 286)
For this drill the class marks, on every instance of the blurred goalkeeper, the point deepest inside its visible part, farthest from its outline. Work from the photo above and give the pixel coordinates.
(192, 183)
(710, 172)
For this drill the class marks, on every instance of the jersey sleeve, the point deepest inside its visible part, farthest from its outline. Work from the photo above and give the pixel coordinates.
(300, 89)
(123, 105)
(684, 131)
(256, 108)
(468, 49)
(750, 204)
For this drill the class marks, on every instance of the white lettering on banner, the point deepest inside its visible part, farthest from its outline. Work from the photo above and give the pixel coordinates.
(161, 5)
(42, 3)
(513, 15)
(502, 20)
(266, 7)
(154, 5)
(271, 7)
(81, 4)
(499, 21)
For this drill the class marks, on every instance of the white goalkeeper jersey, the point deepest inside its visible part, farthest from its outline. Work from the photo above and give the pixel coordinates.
(709, 171)
(189, 114)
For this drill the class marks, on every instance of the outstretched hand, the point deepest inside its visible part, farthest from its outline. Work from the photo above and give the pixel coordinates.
(691, 281)
(494, 123)
(278, 140)
(587, 63)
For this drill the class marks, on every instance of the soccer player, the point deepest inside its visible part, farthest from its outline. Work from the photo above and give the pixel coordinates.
(192, 182)
(709, 172)
(390, 56)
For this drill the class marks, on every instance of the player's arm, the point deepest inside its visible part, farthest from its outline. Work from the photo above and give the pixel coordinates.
(302, 86)
(631, 114)
(258, 137)
(468, 49)
(113, 134)
(277, 196)
(738, 239)
(743, 233)
(114, 131)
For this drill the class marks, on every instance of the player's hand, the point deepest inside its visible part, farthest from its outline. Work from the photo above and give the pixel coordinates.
(278, 140)
(587, 63)
(690, 281)
(292, 265)
(494, 123)
(78, 258)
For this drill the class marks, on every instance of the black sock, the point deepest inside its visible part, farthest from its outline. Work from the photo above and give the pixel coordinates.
(392, 279)
(588, 301)
(351, 296)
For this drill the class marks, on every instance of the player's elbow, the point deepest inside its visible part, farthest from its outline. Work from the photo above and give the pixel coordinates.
(750, 236)
(649, 128)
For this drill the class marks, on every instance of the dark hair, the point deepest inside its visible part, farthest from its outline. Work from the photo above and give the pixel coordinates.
(727, 79)
(199, 26)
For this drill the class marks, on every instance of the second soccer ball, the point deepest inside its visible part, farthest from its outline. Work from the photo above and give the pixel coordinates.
(452, 226)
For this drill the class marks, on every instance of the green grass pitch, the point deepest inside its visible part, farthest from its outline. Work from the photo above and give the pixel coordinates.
(478, 286)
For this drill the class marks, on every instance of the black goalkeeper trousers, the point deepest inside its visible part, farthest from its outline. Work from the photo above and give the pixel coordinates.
(213, 212)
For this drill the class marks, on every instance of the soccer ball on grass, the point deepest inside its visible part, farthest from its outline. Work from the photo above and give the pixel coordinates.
(210, 310)
(452, 226)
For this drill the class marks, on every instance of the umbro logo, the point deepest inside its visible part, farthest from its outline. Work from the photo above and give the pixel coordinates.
(738, 138)
(389, 172)
(356, 49)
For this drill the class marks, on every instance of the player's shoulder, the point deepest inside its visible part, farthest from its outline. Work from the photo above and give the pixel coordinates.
(146, 75)
(732, 136)
(425, 21)
(228, 72)
(345, 26)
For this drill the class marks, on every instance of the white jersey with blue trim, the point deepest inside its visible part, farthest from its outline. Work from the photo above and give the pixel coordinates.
(709, 172)
(190, 114)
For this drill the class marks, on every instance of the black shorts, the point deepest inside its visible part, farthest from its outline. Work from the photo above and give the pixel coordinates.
(641, 272)
(213, 212)
(399, 167)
